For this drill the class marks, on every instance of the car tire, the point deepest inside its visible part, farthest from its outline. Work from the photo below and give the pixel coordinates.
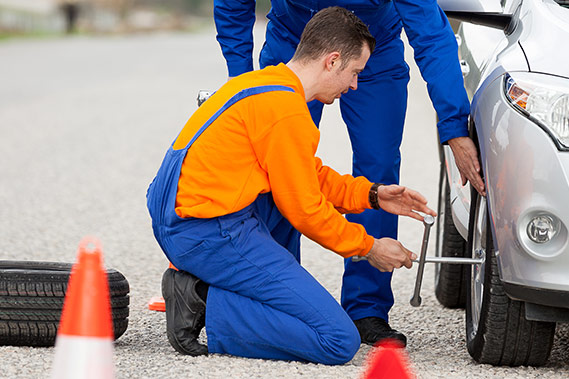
(497, 331)
(32, 295)
(450, 279)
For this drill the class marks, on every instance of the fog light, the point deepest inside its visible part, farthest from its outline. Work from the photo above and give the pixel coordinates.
(542, 229)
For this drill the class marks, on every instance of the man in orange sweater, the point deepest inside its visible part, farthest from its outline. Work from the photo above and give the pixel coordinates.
(241, 183)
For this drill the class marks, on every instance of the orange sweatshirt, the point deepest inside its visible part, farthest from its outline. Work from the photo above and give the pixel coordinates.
(267, 143)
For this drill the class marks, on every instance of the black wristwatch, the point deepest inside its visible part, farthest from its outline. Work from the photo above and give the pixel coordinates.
(373, 200)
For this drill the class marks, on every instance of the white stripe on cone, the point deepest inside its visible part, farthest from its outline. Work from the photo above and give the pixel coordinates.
(83, 357)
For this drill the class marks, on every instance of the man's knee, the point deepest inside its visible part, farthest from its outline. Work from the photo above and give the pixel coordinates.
(342, 345)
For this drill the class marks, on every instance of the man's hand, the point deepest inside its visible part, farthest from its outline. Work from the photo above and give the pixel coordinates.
(387, 254)
(403, 201)
(466, 158)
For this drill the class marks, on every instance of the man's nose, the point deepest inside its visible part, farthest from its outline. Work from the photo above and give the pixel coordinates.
(354, 84)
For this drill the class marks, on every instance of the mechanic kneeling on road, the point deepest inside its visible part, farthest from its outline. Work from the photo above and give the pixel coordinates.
(239, 185)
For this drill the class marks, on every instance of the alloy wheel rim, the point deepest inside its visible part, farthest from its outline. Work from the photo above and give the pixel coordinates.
(440, 226)
(477, 270)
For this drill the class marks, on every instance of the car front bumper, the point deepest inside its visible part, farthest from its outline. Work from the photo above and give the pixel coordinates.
(526, 175)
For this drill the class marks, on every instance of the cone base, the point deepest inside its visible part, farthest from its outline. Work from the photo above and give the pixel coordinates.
(157, 304)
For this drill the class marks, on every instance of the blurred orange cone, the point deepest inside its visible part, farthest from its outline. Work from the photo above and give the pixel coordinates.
(84, 344)
(388, 361)
(156, 303)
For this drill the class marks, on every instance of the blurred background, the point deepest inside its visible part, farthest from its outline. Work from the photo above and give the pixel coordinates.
(52, 17)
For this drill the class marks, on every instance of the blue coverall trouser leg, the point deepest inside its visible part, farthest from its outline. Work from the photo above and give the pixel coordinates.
(261, 302)
(374, 115)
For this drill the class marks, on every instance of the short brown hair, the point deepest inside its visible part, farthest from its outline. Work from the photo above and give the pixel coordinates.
(334, 29)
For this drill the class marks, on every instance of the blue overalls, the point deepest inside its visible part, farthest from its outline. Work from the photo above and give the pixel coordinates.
(375, 113)
(261, 302)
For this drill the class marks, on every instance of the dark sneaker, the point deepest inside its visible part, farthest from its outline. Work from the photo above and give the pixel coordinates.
(185, 312)
(374, 329)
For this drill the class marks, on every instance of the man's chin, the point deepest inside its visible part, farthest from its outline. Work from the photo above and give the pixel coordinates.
(327, 101)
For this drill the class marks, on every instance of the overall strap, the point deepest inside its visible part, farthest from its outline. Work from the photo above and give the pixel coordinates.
(235, 98)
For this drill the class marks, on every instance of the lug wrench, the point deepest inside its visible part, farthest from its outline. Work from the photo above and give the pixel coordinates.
(428, 221)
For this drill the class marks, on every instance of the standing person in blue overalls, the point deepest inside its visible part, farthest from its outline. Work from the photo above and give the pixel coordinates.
(374, 114)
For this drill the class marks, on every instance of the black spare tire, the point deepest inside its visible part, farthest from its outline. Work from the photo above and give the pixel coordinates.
(31, 299)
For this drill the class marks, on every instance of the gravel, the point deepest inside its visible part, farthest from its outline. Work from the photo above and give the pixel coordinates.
(84, 123)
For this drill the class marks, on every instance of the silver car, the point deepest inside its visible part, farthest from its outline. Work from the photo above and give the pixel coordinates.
(514, 55)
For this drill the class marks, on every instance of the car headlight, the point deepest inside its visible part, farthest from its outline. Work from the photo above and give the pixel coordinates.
(544, 99)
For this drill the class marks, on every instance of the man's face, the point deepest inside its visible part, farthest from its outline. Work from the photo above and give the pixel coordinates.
(342, 79)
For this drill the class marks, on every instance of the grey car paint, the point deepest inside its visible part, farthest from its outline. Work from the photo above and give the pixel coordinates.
(525, 172)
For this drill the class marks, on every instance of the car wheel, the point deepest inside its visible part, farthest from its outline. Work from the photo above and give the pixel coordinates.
(497, 331)
(31, 299)
(450, 279)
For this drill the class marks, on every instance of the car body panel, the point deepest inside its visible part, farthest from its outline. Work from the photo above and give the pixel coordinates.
(541, 24)
(459, 195)
(520, 164)
(478, 55)
(525, 173)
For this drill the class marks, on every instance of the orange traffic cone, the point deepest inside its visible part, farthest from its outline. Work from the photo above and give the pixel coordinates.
(156, 303)
(84, 343)
(388, 361)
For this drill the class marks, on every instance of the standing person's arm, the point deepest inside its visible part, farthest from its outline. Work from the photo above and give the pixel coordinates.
(436, 54)
(234, 20)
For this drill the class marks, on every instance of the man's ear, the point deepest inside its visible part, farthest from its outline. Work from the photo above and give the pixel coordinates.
(332, 61)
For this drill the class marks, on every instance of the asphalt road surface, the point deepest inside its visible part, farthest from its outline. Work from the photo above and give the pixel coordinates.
(84, 124)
